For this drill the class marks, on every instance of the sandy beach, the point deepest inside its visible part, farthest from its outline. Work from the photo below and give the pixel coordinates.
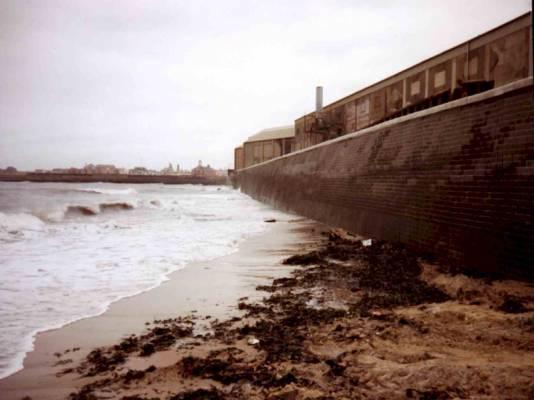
(211, 288)
(300, 312)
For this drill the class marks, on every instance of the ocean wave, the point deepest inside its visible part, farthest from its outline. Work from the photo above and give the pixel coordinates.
(80, 211)
(20, 221)
(212, 219)
(108, 191)
(75, 211)
(116, 206)
(14, 226)
(90, 211)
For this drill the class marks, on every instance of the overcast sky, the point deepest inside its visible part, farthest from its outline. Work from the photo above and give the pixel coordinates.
(150, 82)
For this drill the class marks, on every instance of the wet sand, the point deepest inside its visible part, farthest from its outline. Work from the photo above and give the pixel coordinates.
(210, 288)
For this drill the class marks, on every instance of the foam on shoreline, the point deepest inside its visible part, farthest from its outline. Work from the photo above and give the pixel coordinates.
(210, 287)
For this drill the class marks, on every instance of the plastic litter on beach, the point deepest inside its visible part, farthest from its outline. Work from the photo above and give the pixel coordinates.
(253, 341)
(367, 242)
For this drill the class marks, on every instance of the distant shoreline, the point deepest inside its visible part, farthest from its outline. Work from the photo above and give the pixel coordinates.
(113, 178)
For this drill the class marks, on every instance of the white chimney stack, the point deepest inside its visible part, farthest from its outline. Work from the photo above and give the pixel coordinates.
(318, 101)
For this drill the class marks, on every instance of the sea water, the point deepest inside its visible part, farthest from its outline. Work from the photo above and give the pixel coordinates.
(69, 250)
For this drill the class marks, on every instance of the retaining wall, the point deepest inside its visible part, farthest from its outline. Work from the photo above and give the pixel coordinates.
(456, 181)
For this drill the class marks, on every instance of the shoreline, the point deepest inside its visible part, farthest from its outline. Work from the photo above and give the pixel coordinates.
(105, 308)
(317, 314)
(191, 288)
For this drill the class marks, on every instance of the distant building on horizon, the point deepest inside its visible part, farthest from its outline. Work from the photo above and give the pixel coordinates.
(239, 158)
(168, 170)
(139, 171)
(206, 171)
(100, 169)
(9, 170)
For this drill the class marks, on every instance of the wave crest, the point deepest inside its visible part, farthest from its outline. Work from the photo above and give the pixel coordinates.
(108, 191)
(80, 210)
(116, 206)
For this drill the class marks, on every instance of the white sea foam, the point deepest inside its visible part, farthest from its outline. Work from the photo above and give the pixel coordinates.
(128, 191)
(66, 254)
(19, 226)
(20, 221)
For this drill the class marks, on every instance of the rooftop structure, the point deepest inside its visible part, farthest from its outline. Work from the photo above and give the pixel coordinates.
(280, 132)
(265, 145)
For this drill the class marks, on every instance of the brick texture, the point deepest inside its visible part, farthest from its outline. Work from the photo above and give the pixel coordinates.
(458, 184)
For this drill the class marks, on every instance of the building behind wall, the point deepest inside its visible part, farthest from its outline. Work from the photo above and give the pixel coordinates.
(493, 59)
(265, 145)
(239, 158)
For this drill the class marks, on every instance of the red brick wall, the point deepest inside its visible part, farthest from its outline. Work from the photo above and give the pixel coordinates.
(457, 182)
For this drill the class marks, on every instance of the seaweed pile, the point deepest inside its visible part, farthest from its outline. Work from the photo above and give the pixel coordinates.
(307, 339)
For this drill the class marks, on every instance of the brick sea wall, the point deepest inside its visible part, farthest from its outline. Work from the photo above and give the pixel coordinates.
(456, 181)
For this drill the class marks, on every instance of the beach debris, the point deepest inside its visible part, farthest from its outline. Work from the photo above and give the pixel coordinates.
(336, 369)
(313, 257)
(65, 372)
(133, 375)
(367, 242)
(200, 394)
(289, 393)
(513, 305)
(270, 220)
(63, 362)
(253, 341)
(146, 350)
(101, 360)
(160, 336)
(266, 288)
(435, 393)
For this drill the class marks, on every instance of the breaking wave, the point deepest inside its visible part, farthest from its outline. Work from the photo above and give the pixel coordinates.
(116, 206)
(108, 191)
(75, 211)
(79, 210)
(15, 226)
